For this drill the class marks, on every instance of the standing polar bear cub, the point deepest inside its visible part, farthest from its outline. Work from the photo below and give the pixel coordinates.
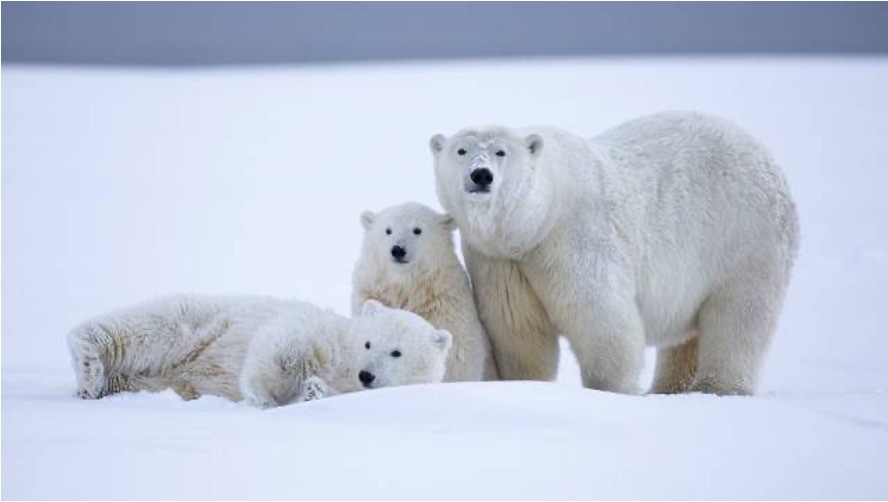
(408, 262)
(266, 351)
(675, 230)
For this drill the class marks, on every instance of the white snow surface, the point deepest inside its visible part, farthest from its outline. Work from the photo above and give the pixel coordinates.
(121, 185)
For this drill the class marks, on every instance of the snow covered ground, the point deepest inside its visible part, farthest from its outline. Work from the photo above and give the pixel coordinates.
(123, 185)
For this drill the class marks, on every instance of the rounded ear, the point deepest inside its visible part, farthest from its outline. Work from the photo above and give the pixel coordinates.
(367, 218)
(442, 339)
(436, 144)
(371, 307)
(534, 144)
(448, 222)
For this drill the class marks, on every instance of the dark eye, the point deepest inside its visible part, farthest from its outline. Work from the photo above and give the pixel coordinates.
(461, 151)
(367, 345)
(417, 231)
(396, 353)
(388, 231)
(500, 153)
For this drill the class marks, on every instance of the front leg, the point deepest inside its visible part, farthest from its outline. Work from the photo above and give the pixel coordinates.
(592, 302)
(314, 388)
(525, 344)
(277, 365)
(607, 336)
(359, 296)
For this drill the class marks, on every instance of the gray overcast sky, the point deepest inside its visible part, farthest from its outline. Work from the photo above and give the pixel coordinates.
(198, 33)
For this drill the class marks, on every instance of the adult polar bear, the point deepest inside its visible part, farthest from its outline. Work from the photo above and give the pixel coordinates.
(675, 229)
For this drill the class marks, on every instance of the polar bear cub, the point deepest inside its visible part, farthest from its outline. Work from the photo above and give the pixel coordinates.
(399, 347)
(379, 347)
(408, 262)
(268, 351)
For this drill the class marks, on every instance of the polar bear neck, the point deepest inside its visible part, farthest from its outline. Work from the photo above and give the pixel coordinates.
(515, 224)
(422, 291)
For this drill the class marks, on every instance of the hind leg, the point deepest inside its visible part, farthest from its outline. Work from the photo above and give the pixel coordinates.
(736, 324)
(84, 345)
(105, 359)
(676, 368)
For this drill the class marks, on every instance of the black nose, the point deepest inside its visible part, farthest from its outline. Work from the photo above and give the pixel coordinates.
(482, 177)
(398, 252)
(366, 378)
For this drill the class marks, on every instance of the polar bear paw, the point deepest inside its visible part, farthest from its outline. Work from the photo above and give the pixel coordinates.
(258, 396)
(720, 388)
(90, 378)
(314, 388)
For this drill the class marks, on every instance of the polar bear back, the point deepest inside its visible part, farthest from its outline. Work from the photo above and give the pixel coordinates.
(718, 209)
(693, 199)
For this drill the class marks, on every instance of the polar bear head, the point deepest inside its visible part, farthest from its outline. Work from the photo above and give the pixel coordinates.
(406, 238)
(494, 184)
(398, 347)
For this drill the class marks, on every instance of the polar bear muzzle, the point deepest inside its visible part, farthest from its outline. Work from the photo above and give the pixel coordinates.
(399, 254)
(366, 378)
(481, 178)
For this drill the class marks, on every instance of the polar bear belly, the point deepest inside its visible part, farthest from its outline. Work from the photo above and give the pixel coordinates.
(668, 305)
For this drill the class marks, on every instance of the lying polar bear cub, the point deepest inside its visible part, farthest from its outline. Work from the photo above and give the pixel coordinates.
(266, 351)
(380, 347)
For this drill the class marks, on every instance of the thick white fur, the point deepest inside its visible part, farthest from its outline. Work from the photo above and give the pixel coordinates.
(432, 283)
(675, 230)
(270, 352)
(400, 347)
(301, 354)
